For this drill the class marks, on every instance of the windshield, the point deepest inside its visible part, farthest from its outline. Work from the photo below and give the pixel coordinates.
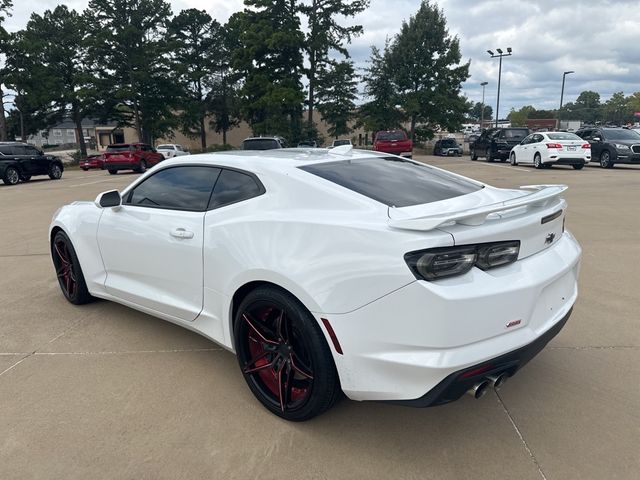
(449, 142)
(516, 133)
(118, 148)
(337, 143)
(260, 144)
(164, 147)
(388, 136)
(621, 135)
(393, 181)
(563, 136)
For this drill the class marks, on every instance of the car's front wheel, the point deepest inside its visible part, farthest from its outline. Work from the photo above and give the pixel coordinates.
(473, 154)
(11, 176)
(488, 155)
(605, 160)
(113, 172)
(68, 271)
(55, 171)
(143, 167)
(283, 355)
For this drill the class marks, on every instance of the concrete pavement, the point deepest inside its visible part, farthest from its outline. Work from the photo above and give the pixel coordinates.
(102, 391)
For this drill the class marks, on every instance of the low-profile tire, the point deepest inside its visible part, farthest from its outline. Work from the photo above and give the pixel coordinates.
(25, 178)
(472, 154)
(284, 356)
(11, 176)
(55, 171)
(537, 161)
(113, 172)
(488, 155)
(85, 169)
(512, 159)
(578, 167)
(142, 168)
(605, 160)
(68, 270)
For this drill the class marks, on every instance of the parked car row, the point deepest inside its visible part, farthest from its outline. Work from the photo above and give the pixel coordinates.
(605, 145)
(19, 162)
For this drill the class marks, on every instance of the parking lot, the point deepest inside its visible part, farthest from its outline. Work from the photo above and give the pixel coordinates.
(102, 391)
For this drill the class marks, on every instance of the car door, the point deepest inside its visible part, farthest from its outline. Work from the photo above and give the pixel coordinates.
(39, 162)
(152, 244)
(521, 149)
(27, 166)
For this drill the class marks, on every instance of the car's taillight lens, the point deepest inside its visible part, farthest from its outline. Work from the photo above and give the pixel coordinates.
(554, 145)
(586, 145)
(437, 263)
(496, 255)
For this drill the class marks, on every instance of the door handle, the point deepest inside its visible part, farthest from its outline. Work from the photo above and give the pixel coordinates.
(181, 233)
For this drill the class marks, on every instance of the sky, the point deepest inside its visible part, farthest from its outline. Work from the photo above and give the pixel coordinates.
(599, 40)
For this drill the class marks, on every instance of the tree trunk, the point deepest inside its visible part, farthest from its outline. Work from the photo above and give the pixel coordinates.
(413, 127)
(224, 136)
(311, 100)
(138, 125)
(3, 120)
(77, 119)
(203, 134)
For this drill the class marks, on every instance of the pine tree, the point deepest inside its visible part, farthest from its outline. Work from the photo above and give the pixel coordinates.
(337, 92)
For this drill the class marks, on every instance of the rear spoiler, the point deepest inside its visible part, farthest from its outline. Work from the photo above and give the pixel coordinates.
(539, 197)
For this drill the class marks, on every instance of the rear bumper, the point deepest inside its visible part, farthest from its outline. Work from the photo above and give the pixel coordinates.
(457, 384)
(413, 339)
(119, 166)
(568, 160)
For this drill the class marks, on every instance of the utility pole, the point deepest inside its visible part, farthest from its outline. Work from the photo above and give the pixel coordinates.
(499, 55)
(562, 91)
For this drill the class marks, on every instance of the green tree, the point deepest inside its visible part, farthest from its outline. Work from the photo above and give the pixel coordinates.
(633, 101)
(130, 54)
(337, 92)
(5, 6)
(324, 35)
(49, 67)
(518, 118)
(428, 74)
(194, 39)
(381, 111)
(617, 109)
(476, 112)
(587, 108)
(269, 59)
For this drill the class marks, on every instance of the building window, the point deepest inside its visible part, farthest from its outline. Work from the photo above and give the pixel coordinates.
(57, 133)
(71, 133)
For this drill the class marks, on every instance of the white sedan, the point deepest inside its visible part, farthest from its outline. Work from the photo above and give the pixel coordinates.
(170, 150)
(544, 149)
(328, 270)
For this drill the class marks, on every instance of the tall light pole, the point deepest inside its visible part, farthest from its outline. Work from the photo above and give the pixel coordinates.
(499, 55)
(483, 84)
(562, 91)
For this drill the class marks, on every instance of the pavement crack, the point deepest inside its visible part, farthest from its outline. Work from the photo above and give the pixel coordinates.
(524, 442)
(17, 363)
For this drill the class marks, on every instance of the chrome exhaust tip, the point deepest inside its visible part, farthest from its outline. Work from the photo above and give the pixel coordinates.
(497, 381)
(479, 389)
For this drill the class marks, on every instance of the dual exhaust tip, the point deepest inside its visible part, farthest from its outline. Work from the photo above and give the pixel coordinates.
(494, 381)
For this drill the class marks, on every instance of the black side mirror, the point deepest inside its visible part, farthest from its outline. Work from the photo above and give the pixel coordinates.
(109, 199)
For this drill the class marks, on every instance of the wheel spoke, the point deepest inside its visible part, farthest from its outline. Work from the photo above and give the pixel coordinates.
(284, 386)
(61, 256)
(282, 328)
(255, 329)
(298, 368)
(248, 369)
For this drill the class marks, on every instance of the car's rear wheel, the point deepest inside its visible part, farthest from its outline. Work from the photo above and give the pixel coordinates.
(68, 270)
(55, 171)
(488, 155)
(283, 355)
(143, 167)
(537, 161)
(113, 172)
(473, 155)
(578, 167)
(11, 176)
(512, 159)
(605, 160)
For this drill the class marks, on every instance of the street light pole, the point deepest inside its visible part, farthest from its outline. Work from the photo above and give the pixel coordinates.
(484, 84)
(562, 91)
(499, 55)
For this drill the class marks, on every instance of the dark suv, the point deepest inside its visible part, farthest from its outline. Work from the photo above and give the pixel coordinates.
(611, 145)
(447, 147)
(496, 143)
(19, 161)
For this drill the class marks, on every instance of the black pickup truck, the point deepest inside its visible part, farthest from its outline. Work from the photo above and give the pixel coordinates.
(496, 143)
(19, 161)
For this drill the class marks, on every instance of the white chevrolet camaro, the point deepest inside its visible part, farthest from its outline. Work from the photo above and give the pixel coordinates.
(544, 149)
(332, 270)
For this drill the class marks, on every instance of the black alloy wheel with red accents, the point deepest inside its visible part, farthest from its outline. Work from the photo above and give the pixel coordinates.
(283, 355)
(68, 270)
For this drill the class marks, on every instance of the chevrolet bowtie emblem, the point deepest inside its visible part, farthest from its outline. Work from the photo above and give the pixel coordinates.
(549, 239)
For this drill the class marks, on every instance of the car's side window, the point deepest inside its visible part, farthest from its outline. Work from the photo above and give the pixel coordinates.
(31, 151)
(19, 150)
(178, 188)
(234, 186)
(6, 150)
(537, 138)
(526, 140)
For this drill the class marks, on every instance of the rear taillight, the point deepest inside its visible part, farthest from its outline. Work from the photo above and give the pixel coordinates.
(554, 145)
(586, 145)
(436, 263)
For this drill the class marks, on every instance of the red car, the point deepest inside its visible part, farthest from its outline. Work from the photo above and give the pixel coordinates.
(130, 156)
(393, 141)
(91, 161)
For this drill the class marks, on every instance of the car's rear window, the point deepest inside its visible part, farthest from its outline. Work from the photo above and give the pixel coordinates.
(449, 142)
(388, 136)
(118, 148)
(260, 144)
(563, 136)
(393, 181)
(516, 133)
